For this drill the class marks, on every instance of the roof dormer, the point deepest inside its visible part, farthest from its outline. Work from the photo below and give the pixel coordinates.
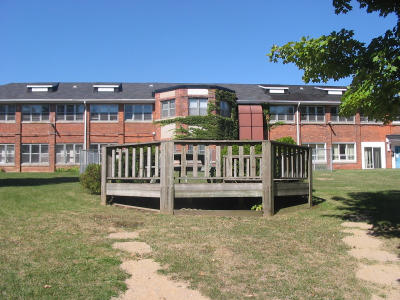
(275, 89)
(110, 88)
(332, 91)
(45, 87)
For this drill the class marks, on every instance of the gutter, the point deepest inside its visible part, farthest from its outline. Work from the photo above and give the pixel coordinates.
(311, 102)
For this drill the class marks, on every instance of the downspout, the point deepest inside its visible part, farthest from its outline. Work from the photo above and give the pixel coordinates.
(298, 123)
(85, 127)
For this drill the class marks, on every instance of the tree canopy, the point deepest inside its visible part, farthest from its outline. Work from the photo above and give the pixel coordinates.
(374, 67)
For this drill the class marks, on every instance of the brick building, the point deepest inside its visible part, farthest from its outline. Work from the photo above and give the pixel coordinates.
(44, 126)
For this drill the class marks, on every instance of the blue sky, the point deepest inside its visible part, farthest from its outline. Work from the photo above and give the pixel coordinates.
(163, 41)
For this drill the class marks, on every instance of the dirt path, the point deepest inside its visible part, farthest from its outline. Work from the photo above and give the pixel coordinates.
(145, 283)
(382, 269)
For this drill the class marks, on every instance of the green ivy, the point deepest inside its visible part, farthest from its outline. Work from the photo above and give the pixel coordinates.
(212, 126)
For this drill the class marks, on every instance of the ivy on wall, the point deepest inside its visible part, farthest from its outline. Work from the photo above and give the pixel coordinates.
(212, 126)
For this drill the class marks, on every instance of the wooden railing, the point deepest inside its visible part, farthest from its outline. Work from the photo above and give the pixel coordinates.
(200, 161)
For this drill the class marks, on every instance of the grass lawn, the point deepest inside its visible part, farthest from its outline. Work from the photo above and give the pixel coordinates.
(53, 241)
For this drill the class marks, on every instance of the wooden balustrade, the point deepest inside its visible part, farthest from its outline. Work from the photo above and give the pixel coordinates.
(182, 167)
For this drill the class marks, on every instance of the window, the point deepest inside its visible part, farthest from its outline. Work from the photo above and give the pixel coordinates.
(107, 88)
(104, 112)
(339, 119)
(201, 149)
(311, 114)
(70, 112)
(7, 154)
(318, 152)
(42, 87)
(7, 112)
(35, 153)
(68, 154)
(343, 152)
(35, 113)
(396, 120)
(281, 113)
(198, 107)
(139, 112)
(366, 120)
(168, 108)
(225, 109)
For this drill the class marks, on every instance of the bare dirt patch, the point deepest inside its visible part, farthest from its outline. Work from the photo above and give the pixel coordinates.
(145, 282)
(386, 273)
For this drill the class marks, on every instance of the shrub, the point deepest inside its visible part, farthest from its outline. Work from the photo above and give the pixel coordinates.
(286, 140)
(91, 179)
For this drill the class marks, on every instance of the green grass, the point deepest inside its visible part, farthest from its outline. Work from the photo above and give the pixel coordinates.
(54, 234)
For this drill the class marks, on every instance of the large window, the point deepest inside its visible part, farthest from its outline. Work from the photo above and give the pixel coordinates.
(336, 118)
(35, 153)
(225, 109)
(281, 113)
(312, 114)
(7, 112)
(68, 154)
(168, 108)
(366, 120)
(70, 112)
(35, 112)
(344, 152)
(7, 154)
(318, 152)
(138, 112)
(104, 112)
(197, 107)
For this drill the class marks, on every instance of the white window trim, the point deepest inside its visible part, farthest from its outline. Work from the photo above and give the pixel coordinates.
(284, 121)
(307, 114)
(198, 106)
(138, 121)
(345, 161)
(75, 113)
(374, 145)
(316, 143)
(6, 114)
(41, 114)
(8, 164)
(74, 151)
(103, 121)
(40, 152)
(169, 109)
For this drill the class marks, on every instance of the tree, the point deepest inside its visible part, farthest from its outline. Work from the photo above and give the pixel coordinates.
(374, 67)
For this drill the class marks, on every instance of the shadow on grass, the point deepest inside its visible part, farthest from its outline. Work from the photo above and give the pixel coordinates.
(381, 209)
(36, 181)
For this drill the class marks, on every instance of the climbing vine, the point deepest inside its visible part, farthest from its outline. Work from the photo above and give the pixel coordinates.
(212, 126)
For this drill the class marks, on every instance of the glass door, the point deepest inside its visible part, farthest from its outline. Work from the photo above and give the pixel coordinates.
(372, 157)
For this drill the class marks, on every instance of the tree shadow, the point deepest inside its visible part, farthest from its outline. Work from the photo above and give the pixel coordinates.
(381, 209)
(36, 181)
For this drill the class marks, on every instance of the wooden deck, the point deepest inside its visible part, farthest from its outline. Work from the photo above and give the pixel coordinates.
(206, 169)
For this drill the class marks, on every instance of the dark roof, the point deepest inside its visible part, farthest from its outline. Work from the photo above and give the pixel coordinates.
(245, 92)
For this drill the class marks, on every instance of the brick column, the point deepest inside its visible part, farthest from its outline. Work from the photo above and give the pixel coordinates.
(18, 133)
(121, 124)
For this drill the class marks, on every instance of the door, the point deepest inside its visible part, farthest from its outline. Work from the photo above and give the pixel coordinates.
(372, 157)
(397, 156)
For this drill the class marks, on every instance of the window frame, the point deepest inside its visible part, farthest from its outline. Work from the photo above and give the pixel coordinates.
(41, 162)
(225, 111)
(133, 112)
(6, 163)
(7, 113)
(101, 113)
(344, 160)
(338, 121)
(307, 114)
(76, 158)
(315, 154)
(198, 106)
(169, 114)
(286, 115)
(63, 117)
(367, 121)
(30, 114)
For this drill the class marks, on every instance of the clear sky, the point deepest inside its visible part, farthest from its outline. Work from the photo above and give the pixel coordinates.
(207, 41)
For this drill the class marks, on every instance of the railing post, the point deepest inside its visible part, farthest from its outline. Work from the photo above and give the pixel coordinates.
(104, 165)
(268, 195)
(309, 173)
(167, 192)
